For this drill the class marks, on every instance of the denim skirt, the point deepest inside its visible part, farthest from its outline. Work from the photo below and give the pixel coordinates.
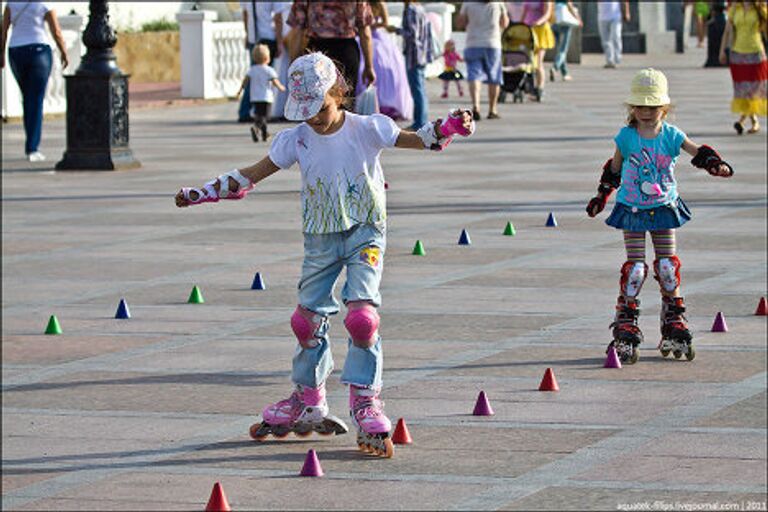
(668, 216)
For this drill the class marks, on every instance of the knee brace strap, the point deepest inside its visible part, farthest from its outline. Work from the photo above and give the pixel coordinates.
(633, 275)
(362, 322)
(305, 324)
(667, 272)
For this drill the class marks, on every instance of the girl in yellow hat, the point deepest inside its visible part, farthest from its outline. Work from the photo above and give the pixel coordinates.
(642, 169)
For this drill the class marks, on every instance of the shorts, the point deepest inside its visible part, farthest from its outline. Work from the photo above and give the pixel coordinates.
(483, 64)
(668, 216)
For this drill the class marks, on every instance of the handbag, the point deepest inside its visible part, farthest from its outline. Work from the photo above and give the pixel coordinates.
(366, 103)
(563, 15)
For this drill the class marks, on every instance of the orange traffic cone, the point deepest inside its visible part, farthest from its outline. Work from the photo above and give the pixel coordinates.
(218, 501)
(549, 383)
(401, 434)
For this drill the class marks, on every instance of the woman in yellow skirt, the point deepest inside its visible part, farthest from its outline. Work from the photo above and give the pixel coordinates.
(537, 15)
(744, 32)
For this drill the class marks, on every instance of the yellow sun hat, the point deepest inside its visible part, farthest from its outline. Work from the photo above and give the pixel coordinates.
(648, 89)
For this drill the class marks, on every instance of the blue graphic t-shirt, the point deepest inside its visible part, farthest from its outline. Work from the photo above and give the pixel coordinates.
(647, 173)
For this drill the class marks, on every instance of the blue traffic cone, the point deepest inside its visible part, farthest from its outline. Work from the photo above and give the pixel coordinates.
(122, 310)
(464, 238)
(551, 222)
(258, 282)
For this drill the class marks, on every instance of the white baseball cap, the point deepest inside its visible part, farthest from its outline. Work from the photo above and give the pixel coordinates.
(309, 78)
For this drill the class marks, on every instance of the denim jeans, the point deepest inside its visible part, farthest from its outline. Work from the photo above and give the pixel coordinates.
(419, 94)
(31, 66)
(562, 42)
(610, 36)
(361, 250)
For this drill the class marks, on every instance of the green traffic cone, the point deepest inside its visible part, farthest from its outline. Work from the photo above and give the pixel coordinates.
(53, 326)
(509, 230)
(196, 297)
(418, 249)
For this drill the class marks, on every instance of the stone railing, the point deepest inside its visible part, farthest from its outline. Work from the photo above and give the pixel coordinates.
(214, 59)
(56, 96)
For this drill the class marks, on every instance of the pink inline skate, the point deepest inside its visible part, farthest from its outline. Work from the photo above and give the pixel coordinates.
(304, 412)
(373, 426)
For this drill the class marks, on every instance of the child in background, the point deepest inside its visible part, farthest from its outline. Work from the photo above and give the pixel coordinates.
(344, 225)
(262, 78)
(642, 169)
(451, 73)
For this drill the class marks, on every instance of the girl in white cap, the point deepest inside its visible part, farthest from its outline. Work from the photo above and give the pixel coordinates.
(344, 224)
(642, 169)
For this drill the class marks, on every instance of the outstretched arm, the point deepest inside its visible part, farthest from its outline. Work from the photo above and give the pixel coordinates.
(233, 185)
(438, 134)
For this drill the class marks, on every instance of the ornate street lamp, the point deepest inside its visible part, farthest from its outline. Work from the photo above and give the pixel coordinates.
(97, 103)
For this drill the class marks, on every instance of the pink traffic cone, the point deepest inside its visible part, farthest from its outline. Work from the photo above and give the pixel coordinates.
(612, 360)
(482, 407)
(311, 465)
(719, 324)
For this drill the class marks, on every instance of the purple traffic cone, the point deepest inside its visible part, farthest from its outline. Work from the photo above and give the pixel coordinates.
(612, 360)
(482, 407)
(311, 465)
(719, 324)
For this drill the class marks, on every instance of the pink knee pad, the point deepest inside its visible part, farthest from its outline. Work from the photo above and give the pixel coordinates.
(362, 322)
(304, 324)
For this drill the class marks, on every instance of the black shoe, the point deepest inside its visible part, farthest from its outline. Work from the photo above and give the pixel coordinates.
(476, 115)
(738, 127)
(493, 115)
(264, 134)
(551, 75)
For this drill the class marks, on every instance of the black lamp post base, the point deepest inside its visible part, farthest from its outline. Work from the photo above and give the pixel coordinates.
(97, 124)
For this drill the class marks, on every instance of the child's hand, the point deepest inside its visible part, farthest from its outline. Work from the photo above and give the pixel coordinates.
(181, 200)
(723, 170)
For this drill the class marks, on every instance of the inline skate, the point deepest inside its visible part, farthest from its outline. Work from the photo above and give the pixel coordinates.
(626, 333)
(373, 426)
(675, 336)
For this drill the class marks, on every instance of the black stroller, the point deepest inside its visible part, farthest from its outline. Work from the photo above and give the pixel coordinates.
(517, 44)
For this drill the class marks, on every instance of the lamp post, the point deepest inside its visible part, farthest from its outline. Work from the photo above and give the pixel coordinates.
(97, 102)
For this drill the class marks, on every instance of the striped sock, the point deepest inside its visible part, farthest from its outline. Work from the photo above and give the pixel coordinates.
(664, 244)
(634, 242)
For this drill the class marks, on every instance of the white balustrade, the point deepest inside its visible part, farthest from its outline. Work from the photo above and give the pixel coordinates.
(56, 94)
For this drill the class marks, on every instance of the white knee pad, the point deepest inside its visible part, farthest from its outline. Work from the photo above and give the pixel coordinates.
(362, 322)
(668, 273)
(633, 276)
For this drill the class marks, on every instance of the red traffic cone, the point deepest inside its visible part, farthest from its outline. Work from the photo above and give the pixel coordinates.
(719, 324)
(482, 407)
(401, 434)
(311, 465)
(549, 383)
(612, 360)
(218, 501)
(762, 308)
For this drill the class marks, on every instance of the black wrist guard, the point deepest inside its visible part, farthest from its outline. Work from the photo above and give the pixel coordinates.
(608, 180)
(708, 159)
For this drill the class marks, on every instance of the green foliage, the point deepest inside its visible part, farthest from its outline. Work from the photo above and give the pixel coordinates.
(161, 25)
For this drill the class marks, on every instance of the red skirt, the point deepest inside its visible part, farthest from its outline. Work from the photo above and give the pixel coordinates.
(749, 72)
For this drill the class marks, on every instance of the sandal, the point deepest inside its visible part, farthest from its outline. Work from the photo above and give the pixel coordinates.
(755, 128)
(738, 127)
(476, 115)
(493, 115)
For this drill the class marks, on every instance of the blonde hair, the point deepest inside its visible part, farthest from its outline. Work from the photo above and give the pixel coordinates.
(632, 120)
(261, 54)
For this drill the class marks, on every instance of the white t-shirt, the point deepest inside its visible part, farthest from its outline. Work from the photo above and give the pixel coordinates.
(261, 76)
(342, 182)
(609, 11)
(483, 18)
(264, 13)
(28, 23)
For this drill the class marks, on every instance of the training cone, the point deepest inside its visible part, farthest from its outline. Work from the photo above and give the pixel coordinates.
(509, 230)
(719, 324)
(218, 501)
(311, 465)
(122, 310)
(258, 282)
(464, 238)
(53, 326)
(418, 249)
(551, 222)
(482, 407)
(549, 383)
(401, 434)
(612, 359)
(762, 308)
(196, 297)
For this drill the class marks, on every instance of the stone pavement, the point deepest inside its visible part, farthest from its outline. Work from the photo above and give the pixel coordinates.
(148, 413)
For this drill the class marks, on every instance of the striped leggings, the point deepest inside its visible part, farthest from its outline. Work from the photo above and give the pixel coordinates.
(663, 244)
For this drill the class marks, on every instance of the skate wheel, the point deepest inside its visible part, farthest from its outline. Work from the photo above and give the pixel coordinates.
(691, 354)
(664, 353)
(678, 354)
(303, 434)
(389, 449)
(254, 432)
(634, 356)
(325, 433)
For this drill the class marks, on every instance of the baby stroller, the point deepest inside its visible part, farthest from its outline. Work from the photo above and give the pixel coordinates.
(517, 43)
